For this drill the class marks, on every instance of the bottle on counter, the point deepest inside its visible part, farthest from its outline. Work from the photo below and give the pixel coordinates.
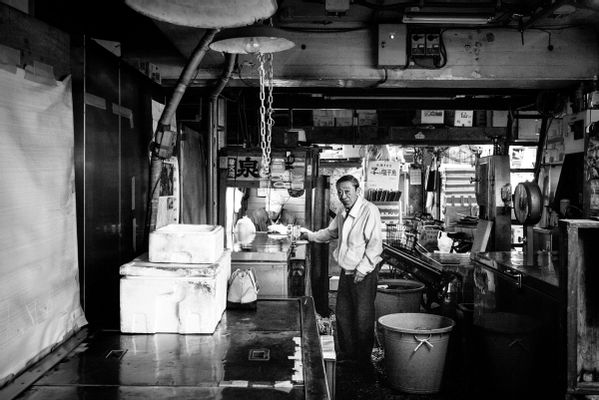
(593, 101)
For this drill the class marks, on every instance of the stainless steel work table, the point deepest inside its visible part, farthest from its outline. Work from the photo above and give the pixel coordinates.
(250, 354)
(269, 256)
(264, 247)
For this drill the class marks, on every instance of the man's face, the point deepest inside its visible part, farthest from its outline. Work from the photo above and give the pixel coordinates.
(347, 193)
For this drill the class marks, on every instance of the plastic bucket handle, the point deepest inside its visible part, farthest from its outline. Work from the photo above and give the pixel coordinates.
(423, 341)
(520, 343)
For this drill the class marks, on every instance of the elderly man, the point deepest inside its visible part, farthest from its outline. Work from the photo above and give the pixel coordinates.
(358, 227)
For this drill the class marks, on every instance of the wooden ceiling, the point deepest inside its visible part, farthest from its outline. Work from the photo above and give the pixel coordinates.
(527, 46)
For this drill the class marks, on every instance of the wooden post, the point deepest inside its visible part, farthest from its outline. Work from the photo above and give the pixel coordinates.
(320, 251)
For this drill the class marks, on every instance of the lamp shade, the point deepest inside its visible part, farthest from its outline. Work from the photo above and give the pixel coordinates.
(208, 14)
(251, 39)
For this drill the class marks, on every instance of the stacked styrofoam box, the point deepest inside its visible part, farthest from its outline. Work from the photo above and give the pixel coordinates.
(184, 243)
(173, 297)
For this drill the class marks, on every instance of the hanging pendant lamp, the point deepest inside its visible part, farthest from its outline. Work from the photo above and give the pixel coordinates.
(208, 14)
(251, 40)
(262, 41)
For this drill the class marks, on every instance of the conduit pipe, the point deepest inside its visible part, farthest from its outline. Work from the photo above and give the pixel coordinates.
(164, 123)
(186, 76)
(224, 79)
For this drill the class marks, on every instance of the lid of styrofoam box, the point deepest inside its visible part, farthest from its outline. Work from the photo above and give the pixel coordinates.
(140, 266)
(189, 228)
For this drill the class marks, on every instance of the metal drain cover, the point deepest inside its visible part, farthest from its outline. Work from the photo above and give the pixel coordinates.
(118, 354)
(259, 355)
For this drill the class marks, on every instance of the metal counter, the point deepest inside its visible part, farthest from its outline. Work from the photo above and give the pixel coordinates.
(517, 328)
(268, 256)
(250, 356)
(513, 265)
(264, 247)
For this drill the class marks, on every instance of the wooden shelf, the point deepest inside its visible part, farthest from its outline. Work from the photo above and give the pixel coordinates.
(407, 135)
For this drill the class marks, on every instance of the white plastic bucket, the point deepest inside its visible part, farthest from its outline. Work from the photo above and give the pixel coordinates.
(415, 350)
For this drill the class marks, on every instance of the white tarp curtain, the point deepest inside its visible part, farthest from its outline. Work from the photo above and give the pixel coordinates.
(39, 286)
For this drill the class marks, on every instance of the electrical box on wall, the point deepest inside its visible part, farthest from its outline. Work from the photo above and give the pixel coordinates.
(424, 48)
(392, 45)
(417, 44)
(432, 44)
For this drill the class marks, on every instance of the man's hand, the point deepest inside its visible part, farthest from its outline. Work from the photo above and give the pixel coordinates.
(359, 277)
(304, 233)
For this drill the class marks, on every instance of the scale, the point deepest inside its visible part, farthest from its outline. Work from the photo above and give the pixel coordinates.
(528, 207)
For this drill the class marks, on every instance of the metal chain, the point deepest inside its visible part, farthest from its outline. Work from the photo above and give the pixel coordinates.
(264, 145)
(269, 120)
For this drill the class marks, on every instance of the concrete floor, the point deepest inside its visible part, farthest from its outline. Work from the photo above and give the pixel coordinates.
(353, 383)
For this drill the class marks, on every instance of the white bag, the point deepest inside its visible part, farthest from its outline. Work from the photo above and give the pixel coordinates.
(245, 231)
(243, 289)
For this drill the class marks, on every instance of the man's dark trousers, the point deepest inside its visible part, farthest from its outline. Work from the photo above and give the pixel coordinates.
(355, 316)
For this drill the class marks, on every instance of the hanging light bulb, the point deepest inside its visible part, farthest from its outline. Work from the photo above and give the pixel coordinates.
(252, 45)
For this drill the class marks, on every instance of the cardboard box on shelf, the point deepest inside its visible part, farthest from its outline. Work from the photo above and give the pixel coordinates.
(343, 117)
(499, 119)
(367, 118)
(323, 118)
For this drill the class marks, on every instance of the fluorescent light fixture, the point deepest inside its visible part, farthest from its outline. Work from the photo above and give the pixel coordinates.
(386, 98)
(449, 20)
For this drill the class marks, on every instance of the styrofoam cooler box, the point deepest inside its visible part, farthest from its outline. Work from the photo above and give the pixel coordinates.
(173, 297)
(186, 243)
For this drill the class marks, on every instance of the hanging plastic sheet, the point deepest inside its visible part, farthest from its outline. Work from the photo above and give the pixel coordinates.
(39, 284)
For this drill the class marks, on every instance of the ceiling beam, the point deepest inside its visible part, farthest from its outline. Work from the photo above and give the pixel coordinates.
(483, 58)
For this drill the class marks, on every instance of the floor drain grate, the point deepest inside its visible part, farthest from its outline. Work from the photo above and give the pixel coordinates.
(118, 354)
(259, 355)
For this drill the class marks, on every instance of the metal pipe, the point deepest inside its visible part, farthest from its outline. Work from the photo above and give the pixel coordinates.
(213, 139)
(186, 76)
(224, 79)
(167, 115)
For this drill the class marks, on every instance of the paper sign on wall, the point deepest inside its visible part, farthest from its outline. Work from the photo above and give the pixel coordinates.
(463, 118)
(383, 175)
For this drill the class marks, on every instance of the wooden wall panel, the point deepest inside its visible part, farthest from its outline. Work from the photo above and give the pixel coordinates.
(37, 40)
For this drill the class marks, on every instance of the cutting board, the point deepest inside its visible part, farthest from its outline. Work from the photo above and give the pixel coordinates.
(481, 236)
